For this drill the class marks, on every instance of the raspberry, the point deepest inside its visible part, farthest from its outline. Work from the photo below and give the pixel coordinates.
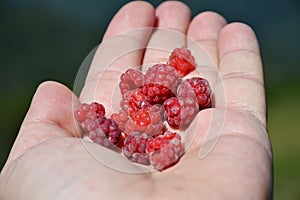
(134, 148)
(198, 88)
(104, 131)
(146, 120)
(164, 150)
(164, 75)
(180, 112)
(87, 112)
(172, 112)
(141, 117)
(121, 118)
(130, 80)
(155, 93)
(133, 101)
(182, 60)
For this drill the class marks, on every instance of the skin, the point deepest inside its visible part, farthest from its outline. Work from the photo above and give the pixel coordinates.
(48, 160)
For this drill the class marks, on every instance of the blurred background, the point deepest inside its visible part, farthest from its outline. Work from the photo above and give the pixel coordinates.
(48, 40)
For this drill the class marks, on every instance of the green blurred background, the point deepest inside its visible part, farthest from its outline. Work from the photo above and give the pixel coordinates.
(47, 40)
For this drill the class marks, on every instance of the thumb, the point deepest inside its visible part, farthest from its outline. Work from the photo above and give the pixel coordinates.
(50, 115)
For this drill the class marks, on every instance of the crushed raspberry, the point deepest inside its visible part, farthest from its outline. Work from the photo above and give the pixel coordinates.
(198, 88)
(130, 80)
(182, 60)
(87, 112)
(164, 75)
(104, 131)
(164, 150)
(155, 93)
(134, 148)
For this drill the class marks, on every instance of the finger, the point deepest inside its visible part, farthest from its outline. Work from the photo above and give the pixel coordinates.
(122, 47)
(172, 19)
(203, 34)
(50, 116)
(242, 85)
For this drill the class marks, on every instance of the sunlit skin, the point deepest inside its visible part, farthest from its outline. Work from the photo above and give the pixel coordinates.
(48, 160)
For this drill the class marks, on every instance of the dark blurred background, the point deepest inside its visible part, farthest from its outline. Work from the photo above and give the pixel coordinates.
(48, 40)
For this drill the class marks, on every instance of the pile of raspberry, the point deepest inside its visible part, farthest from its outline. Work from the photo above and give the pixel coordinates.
(154, 105)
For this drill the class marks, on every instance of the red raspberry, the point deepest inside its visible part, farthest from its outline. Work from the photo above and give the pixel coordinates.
(134, 148)
(133, 101)
(198, 88)
(104, 131)
(180, 112)
(86, 112)
(146, 120)
(130, 80)
(182, 60)
(164, 75)
(155, 93)
(165, 150)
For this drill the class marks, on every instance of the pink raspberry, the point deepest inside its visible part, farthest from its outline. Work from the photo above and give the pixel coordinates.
(165, 150)
(134, 148)
(104, 131)
(164, 75)
(130, 80)
(155, 93)
(182, 60)
(147, 120)
(87, 112)
(180, 112)
(197, 88)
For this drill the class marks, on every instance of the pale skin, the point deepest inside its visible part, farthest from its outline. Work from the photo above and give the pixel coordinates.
(48, 160)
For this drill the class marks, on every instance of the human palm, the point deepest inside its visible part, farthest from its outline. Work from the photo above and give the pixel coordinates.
(50, 161)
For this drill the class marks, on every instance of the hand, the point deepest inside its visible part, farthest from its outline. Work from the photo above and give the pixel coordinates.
(48, 160)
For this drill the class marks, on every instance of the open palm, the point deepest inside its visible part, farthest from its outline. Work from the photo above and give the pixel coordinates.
(49, 160)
